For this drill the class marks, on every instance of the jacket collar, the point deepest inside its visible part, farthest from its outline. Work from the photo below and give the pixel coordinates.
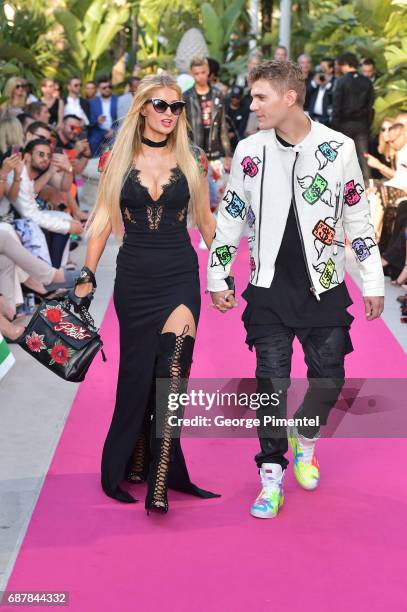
(270, 135)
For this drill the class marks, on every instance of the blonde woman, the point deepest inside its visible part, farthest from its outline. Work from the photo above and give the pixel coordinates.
(152, 180)
(15, 92)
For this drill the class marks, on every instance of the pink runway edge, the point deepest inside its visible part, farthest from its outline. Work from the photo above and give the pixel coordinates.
(338, 548)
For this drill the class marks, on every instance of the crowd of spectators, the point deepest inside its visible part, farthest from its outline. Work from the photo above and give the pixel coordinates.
(50, 143)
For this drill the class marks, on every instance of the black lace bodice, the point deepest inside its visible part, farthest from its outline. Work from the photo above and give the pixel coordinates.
(142, 214)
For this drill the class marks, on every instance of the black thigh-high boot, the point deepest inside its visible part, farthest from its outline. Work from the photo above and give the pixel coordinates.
(138, 466)
(168, 468)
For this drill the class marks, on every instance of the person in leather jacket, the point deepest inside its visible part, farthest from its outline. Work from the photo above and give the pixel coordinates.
(352, 107)
(205, 113)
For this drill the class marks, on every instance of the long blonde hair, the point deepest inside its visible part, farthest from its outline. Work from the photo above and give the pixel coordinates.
(127, 146)
(11, 133)
(9, 90)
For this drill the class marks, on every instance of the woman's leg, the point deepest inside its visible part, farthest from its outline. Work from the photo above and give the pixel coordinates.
(34, 266)
(174, 359)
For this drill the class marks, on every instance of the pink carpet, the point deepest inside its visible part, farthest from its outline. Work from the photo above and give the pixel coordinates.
(338, 548)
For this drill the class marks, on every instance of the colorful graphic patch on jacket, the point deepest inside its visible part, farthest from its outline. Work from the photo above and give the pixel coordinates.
(324, 233)
(352, 192)
(250, 165)
(235, 206)
(316, 188)
(329, 275)
(222, 256)
(252, 268)
(251, 217)
(362, 247)
(327, 152)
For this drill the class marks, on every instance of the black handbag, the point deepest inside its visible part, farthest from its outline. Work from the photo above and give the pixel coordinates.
(60, 340)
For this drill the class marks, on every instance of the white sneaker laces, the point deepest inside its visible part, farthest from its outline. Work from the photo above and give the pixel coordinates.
(306, 447)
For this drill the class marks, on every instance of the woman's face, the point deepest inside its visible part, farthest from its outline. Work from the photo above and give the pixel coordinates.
(161, 122)
(48, 88)
(19, 89)
(385, 127)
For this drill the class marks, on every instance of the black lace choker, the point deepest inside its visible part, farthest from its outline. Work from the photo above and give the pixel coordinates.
(151, 143)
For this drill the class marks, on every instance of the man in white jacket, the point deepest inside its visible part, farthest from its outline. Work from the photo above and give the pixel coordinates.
(298, 187)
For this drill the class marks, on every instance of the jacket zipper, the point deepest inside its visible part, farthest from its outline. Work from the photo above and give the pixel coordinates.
(337, 201)
(312, 288)
(261, 207)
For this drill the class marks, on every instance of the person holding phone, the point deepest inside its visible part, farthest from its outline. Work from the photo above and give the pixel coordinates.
(152, 179)
(320, 97)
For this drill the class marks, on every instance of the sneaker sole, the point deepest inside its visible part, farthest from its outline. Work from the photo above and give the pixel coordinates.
(263, 515)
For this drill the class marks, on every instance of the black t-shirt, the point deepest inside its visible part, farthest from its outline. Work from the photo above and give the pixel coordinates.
(205, 102)
(288, 301)
(67, 146)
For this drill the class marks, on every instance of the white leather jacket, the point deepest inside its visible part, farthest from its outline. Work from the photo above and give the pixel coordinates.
(321, 175)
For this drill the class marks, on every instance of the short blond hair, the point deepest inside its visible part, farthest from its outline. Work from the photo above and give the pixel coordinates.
(198, 60)
(282, 76)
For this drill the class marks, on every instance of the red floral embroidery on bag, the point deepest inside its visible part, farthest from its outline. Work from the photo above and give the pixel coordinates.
(54, 315)
(60, 354)
(35, 342)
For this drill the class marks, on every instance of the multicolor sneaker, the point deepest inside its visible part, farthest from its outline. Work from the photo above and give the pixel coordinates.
(306, 466)
(271, 496)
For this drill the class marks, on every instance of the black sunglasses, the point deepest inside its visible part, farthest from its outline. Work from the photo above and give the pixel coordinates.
(160, 106)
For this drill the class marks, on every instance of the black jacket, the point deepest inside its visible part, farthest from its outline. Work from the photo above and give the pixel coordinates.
(219, 143)
(325, 118)
(352, 101)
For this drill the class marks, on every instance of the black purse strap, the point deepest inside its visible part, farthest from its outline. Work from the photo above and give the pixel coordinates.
(82, 311)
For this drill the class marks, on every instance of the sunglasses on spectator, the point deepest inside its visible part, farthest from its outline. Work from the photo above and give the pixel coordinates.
(20, 86)
(105, 87)
(160, 106)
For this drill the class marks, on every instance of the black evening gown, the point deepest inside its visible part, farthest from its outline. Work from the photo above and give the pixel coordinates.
(157, 270)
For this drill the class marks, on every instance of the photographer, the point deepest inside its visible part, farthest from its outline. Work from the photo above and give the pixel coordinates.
(320, 99)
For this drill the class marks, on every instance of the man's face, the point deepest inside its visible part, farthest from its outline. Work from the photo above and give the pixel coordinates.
(105, 89)
(280, 55)
(43, 115)
(326, 68)
(90, 90)
(39, 133)
(271, 107)
(305, 64)
(72, 128)
(397, 138)
(133, 86)
(41, 158)
(74, 87)
(253, 62)
(368, 70)
(201, 75)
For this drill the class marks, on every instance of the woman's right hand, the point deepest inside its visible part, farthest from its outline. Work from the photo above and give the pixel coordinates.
(83, 289)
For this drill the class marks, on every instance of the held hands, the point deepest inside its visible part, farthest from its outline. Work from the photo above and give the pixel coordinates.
(223, 300)
(373, 307)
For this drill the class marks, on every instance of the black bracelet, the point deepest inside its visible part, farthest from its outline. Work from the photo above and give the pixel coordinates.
(86, 276)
